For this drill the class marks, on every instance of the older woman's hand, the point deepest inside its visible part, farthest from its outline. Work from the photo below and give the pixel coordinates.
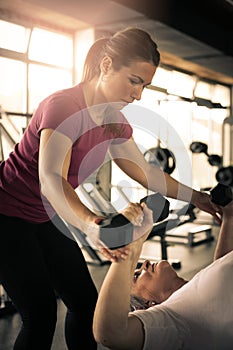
(141, 216)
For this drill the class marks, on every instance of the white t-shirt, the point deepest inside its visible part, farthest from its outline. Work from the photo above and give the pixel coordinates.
(197, 316)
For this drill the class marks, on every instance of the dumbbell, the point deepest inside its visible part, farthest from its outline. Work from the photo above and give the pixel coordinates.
(224, 175)
(200, 147)
(117, 231)
(221, 194)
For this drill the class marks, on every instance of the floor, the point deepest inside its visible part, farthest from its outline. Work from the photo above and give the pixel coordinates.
(192, 259)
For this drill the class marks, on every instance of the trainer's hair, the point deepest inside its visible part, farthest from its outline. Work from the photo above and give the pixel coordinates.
(125, 46)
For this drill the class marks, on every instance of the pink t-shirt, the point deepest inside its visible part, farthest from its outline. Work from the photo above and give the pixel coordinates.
(66, 112)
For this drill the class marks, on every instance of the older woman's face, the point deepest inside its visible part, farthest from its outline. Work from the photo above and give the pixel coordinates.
(154, 281)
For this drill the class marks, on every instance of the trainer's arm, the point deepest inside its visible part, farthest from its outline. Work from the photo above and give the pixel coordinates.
(225, 237)
(131, 160)
(112, 325)
(54, 163)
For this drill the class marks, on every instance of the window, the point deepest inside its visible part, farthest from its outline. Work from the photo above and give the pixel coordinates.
(221, 94)
(50, 47)
(14, 37)
(12, 85)
(23, 83)
(185, 121)
(181, 84)
(162, 78)
(203, 90)
(44, 81)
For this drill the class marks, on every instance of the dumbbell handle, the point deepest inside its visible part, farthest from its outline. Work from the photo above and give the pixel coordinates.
(117, 231)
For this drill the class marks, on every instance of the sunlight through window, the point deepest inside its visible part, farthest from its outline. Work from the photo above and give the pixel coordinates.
(204, 90)
(221, 94)
(162, 77)
(181, 84)
(13, 36)
(49, 47)
(12, 85)
(44, 81)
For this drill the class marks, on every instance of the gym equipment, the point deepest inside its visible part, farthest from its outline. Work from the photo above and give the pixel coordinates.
(200, 147)
(95, 197)
(162, 158)
(180, 227)
(117, 231)
(9, 132)
(190, 234)
(221, 194)
(224, 175)
(227, 140)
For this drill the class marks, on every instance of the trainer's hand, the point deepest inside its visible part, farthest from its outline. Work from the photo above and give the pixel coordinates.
(202, 200)
(135, 214)
(112, 255)
(140, 234)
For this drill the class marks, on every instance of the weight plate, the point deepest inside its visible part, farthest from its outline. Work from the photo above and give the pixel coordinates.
(162, 158)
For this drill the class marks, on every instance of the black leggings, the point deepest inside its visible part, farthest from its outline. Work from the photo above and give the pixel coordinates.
(38, 262)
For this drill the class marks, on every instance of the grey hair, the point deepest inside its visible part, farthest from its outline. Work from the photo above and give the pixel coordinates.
(138, 303)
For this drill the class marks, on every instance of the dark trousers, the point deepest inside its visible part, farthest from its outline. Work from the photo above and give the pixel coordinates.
(37, 263)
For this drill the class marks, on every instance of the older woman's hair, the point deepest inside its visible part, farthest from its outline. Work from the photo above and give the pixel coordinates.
(138, 303)
(125, 46)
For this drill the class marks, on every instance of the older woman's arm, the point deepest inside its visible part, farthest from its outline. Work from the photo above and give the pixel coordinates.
(112, 325)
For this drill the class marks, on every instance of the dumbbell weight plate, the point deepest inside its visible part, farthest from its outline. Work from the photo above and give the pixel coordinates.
(198, 147)
(162, 158)
(221, 194)
(224, 175)
(117, 231)
(215, 160)
(159, 205)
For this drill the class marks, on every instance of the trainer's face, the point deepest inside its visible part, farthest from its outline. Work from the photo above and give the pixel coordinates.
(154, 281)
(127, 84)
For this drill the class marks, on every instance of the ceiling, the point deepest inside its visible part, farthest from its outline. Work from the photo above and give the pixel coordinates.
(195, 36)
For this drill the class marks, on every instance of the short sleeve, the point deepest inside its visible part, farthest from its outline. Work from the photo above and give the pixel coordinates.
(61, 113)
(163, 331)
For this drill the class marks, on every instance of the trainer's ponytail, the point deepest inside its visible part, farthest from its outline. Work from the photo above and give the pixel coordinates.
(92, 62)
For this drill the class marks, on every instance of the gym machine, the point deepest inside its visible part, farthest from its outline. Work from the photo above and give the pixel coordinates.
(224, 174)
(10, 132)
